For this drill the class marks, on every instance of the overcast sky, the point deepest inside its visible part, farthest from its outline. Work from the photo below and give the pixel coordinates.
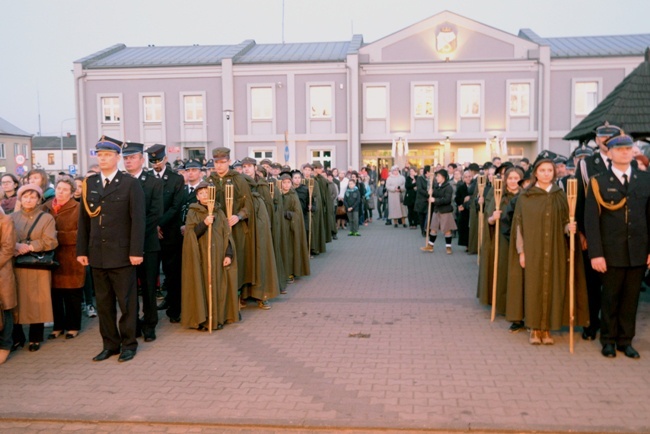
(40, 39)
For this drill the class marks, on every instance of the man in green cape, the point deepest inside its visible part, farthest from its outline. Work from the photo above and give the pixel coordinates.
(294, 248)
(319, 225)
(326, 203)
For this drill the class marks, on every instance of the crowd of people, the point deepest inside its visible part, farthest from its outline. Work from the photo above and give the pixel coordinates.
(214, 236)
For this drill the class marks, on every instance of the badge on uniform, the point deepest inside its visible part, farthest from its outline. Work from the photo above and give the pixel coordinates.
(612, 190)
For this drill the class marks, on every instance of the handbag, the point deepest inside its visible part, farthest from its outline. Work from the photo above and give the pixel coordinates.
(38, 260)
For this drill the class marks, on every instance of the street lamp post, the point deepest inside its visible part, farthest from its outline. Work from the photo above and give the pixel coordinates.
(61, 131)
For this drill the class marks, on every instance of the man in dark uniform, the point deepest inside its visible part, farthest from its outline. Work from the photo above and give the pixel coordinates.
(148, 271)
(617, 215)
(169, 228)
(111, 240)
(193, 173)
(590, 166)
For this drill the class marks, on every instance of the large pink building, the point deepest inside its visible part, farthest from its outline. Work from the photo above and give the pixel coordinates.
(446, 89)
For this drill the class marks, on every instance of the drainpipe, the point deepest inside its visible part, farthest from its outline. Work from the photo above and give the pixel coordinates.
(82, 151)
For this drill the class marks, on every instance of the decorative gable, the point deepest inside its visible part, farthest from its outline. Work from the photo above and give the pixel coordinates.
(447, 37)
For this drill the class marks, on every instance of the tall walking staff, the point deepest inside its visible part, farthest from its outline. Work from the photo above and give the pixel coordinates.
(481, 188)
(497, 187)
(310, 186)
(572, 196)
(427, 247)
(229, 193)
(212, 195)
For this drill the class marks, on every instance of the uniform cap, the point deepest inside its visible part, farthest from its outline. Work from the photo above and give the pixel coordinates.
(317, 165)
(106, 143)
(156, 153)
(130, 148)
(608, 130)
(619, 142)
(545, 156)
(249, 160)
(583, 151)
(266, 161)
(209, 164)
(221, 153)
(236, 163)
(193, 164)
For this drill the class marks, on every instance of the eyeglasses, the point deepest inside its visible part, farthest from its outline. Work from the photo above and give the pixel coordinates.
(7, 182)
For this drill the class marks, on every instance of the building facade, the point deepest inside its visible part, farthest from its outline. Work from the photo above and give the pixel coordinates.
(15, 149)
(446, 89)
(55, 154)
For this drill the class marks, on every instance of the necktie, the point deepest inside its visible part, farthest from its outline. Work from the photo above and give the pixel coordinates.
(625, 182)
(157, 175)
(191, 190)
(106, 182)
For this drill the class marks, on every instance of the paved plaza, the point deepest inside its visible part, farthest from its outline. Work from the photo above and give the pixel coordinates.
(381, 337)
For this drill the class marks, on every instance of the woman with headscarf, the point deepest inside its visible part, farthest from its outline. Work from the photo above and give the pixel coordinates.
(396, 186)
(34, 285)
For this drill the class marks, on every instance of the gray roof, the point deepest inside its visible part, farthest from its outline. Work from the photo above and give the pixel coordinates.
(296, 52)
(121, 56)
(10, 129)
(592, 46)
(42, 143)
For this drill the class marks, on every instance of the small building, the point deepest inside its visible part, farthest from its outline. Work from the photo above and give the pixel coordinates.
(15, 149)
(55, 154)
(445, 89)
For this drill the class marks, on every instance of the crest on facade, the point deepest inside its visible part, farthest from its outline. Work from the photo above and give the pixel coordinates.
(446, 39)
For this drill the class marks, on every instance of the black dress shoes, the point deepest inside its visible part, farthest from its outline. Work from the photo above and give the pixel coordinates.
(126, 355)
(589, 334)
(609, 350)
(629, 351)
(105, 355)
(163, 306)
(174, 319)
(149, 335)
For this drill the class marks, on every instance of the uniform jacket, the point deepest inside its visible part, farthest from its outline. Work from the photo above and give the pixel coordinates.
(174, 193)
(588, 167)
(119, 230)
(153, 199)
(70, 273)
(621, 236)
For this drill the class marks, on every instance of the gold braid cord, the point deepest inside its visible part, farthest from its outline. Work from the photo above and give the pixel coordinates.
(601, 202)
(84, 189)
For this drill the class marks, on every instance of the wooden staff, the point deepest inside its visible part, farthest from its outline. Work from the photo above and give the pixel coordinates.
(426, 247)
(572, 196)
(212, 195)
(229, 194)
(310, 186)
(481, 188)
(271, 187)
(497, 186)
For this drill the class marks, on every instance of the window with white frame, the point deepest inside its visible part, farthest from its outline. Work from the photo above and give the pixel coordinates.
(74, 158)
(111, 113)
(519, 99)
(50, 159)
(193, 108)
(261, 103)
(16, 149)
(586, 97)
(25, 150)
(262, 154)
(470, 100)
(376, 102)
(423, 101)
(152, 106)
(324, 156)
(2, 151)
(320, 102)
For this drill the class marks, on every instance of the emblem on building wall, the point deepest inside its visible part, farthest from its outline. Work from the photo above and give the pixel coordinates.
(446, 39)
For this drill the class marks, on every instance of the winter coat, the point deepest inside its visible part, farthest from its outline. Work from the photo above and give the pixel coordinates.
(352, 199)
(70, 273)
(8, 296)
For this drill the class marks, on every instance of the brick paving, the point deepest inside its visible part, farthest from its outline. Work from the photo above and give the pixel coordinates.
(381, 337)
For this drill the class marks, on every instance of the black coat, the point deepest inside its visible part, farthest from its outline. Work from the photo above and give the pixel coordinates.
(188, 199)
(153, 200)
(411, 190)
(118, 232)
(620, 236)
(173, 199)
(592, 165)
(352, 199)
(421, 195)
(443, 194)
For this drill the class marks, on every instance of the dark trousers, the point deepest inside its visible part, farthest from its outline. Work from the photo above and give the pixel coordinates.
(413, 216)
(147, 273)
(6, 335)
(66, 307)
(88, 289)
(36, 332)
(117, 285)
(594, 292)
(170, 255)
(620, 300)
